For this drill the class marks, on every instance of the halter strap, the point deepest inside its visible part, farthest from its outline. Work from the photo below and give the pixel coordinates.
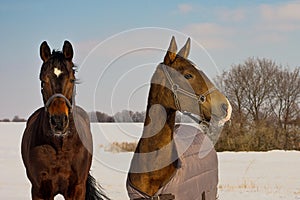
(47, 104)
(158, 197)
(69, 104)
(176, 88)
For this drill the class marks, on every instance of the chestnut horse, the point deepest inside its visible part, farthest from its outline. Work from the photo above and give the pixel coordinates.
(177, 85)
(57, 143)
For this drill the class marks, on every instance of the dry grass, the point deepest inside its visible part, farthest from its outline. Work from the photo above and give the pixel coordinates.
(245, 185)
(250, 185)
(117, 147)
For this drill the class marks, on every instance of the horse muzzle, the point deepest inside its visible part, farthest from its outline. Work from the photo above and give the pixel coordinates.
(59, 124)
(58, 108)
(226, 110)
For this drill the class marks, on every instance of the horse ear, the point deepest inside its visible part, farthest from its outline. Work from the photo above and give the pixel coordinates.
(185, 51)
(171, 54)
(45, 51)
(68, 50)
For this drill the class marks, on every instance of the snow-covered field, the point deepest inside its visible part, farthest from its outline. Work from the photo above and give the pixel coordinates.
(242, 176)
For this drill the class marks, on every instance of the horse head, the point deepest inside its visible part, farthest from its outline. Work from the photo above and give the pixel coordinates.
(58, 85)
(183, 87)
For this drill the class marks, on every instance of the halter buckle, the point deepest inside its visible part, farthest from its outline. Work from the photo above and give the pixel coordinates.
(201, 99)
(155, 198)
(175, 87)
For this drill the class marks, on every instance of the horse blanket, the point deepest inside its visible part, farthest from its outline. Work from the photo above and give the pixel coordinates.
(197, 173)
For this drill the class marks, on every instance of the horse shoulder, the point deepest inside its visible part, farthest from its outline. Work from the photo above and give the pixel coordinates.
(27, 138)
(82, 124)
(81, 113)
(31, 125)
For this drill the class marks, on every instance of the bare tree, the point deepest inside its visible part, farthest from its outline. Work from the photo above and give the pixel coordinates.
(285, 99)
(248, 86)
(138, 116)
(258, 79)
(268, 95)
(231, 83)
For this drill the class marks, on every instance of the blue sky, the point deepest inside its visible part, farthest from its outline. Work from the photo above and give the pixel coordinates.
(100, 31)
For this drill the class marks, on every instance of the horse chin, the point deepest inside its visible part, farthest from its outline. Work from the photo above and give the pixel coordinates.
(217, 121)
(59, 133)
(59, 128)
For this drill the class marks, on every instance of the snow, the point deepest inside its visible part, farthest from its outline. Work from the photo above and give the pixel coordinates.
(270, 175)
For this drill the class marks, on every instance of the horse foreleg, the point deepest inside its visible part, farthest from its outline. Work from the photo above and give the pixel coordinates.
(37, 198)
(78, 192)
(203, 195)
(42, 192)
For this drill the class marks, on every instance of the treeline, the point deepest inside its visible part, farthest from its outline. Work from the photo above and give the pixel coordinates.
(128, 116)
(265, 98)
(15, 119)
(123, 116)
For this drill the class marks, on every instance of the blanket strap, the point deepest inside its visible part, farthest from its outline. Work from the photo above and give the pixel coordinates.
(159, 197)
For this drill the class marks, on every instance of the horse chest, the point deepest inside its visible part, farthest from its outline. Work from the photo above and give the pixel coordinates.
(52, 164)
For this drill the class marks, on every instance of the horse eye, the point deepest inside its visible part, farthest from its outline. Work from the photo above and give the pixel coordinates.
(188, 76)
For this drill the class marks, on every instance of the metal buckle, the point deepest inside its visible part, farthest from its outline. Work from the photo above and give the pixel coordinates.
(155, 198)
(202, 99)
(175, 87)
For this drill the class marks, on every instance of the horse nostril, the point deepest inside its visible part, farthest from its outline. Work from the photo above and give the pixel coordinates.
(65, 118)
(53, 120)
(224, 108)
(59, 122)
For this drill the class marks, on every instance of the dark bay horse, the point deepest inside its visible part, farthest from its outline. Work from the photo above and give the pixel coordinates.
(177, 85)
(57, 143)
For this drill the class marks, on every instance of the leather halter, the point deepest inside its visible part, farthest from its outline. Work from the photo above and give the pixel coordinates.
(59, 95)
(176, 89)
(158, 197)
(47, 104)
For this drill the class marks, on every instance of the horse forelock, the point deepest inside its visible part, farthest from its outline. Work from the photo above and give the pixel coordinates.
(58, 61)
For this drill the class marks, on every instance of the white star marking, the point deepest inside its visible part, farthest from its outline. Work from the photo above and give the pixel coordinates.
(57, 72)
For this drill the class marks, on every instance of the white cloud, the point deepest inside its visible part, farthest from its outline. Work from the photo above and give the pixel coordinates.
(282, 17)
(209, 29)
(270, 38)
(254, 25)
(234, 15)
(184, 8)
(283, 12)
(210, 35)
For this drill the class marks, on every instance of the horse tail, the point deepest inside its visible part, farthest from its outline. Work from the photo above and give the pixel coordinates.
(94, 190)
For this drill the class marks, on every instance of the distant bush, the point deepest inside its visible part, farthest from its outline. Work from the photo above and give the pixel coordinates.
(17, 119)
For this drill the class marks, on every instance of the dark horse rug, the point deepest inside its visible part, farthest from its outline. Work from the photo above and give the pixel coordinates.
(197, 175)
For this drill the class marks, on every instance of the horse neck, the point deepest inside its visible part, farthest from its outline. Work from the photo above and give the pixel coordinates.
(158, 128)
(156, 151)
(154, 161)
